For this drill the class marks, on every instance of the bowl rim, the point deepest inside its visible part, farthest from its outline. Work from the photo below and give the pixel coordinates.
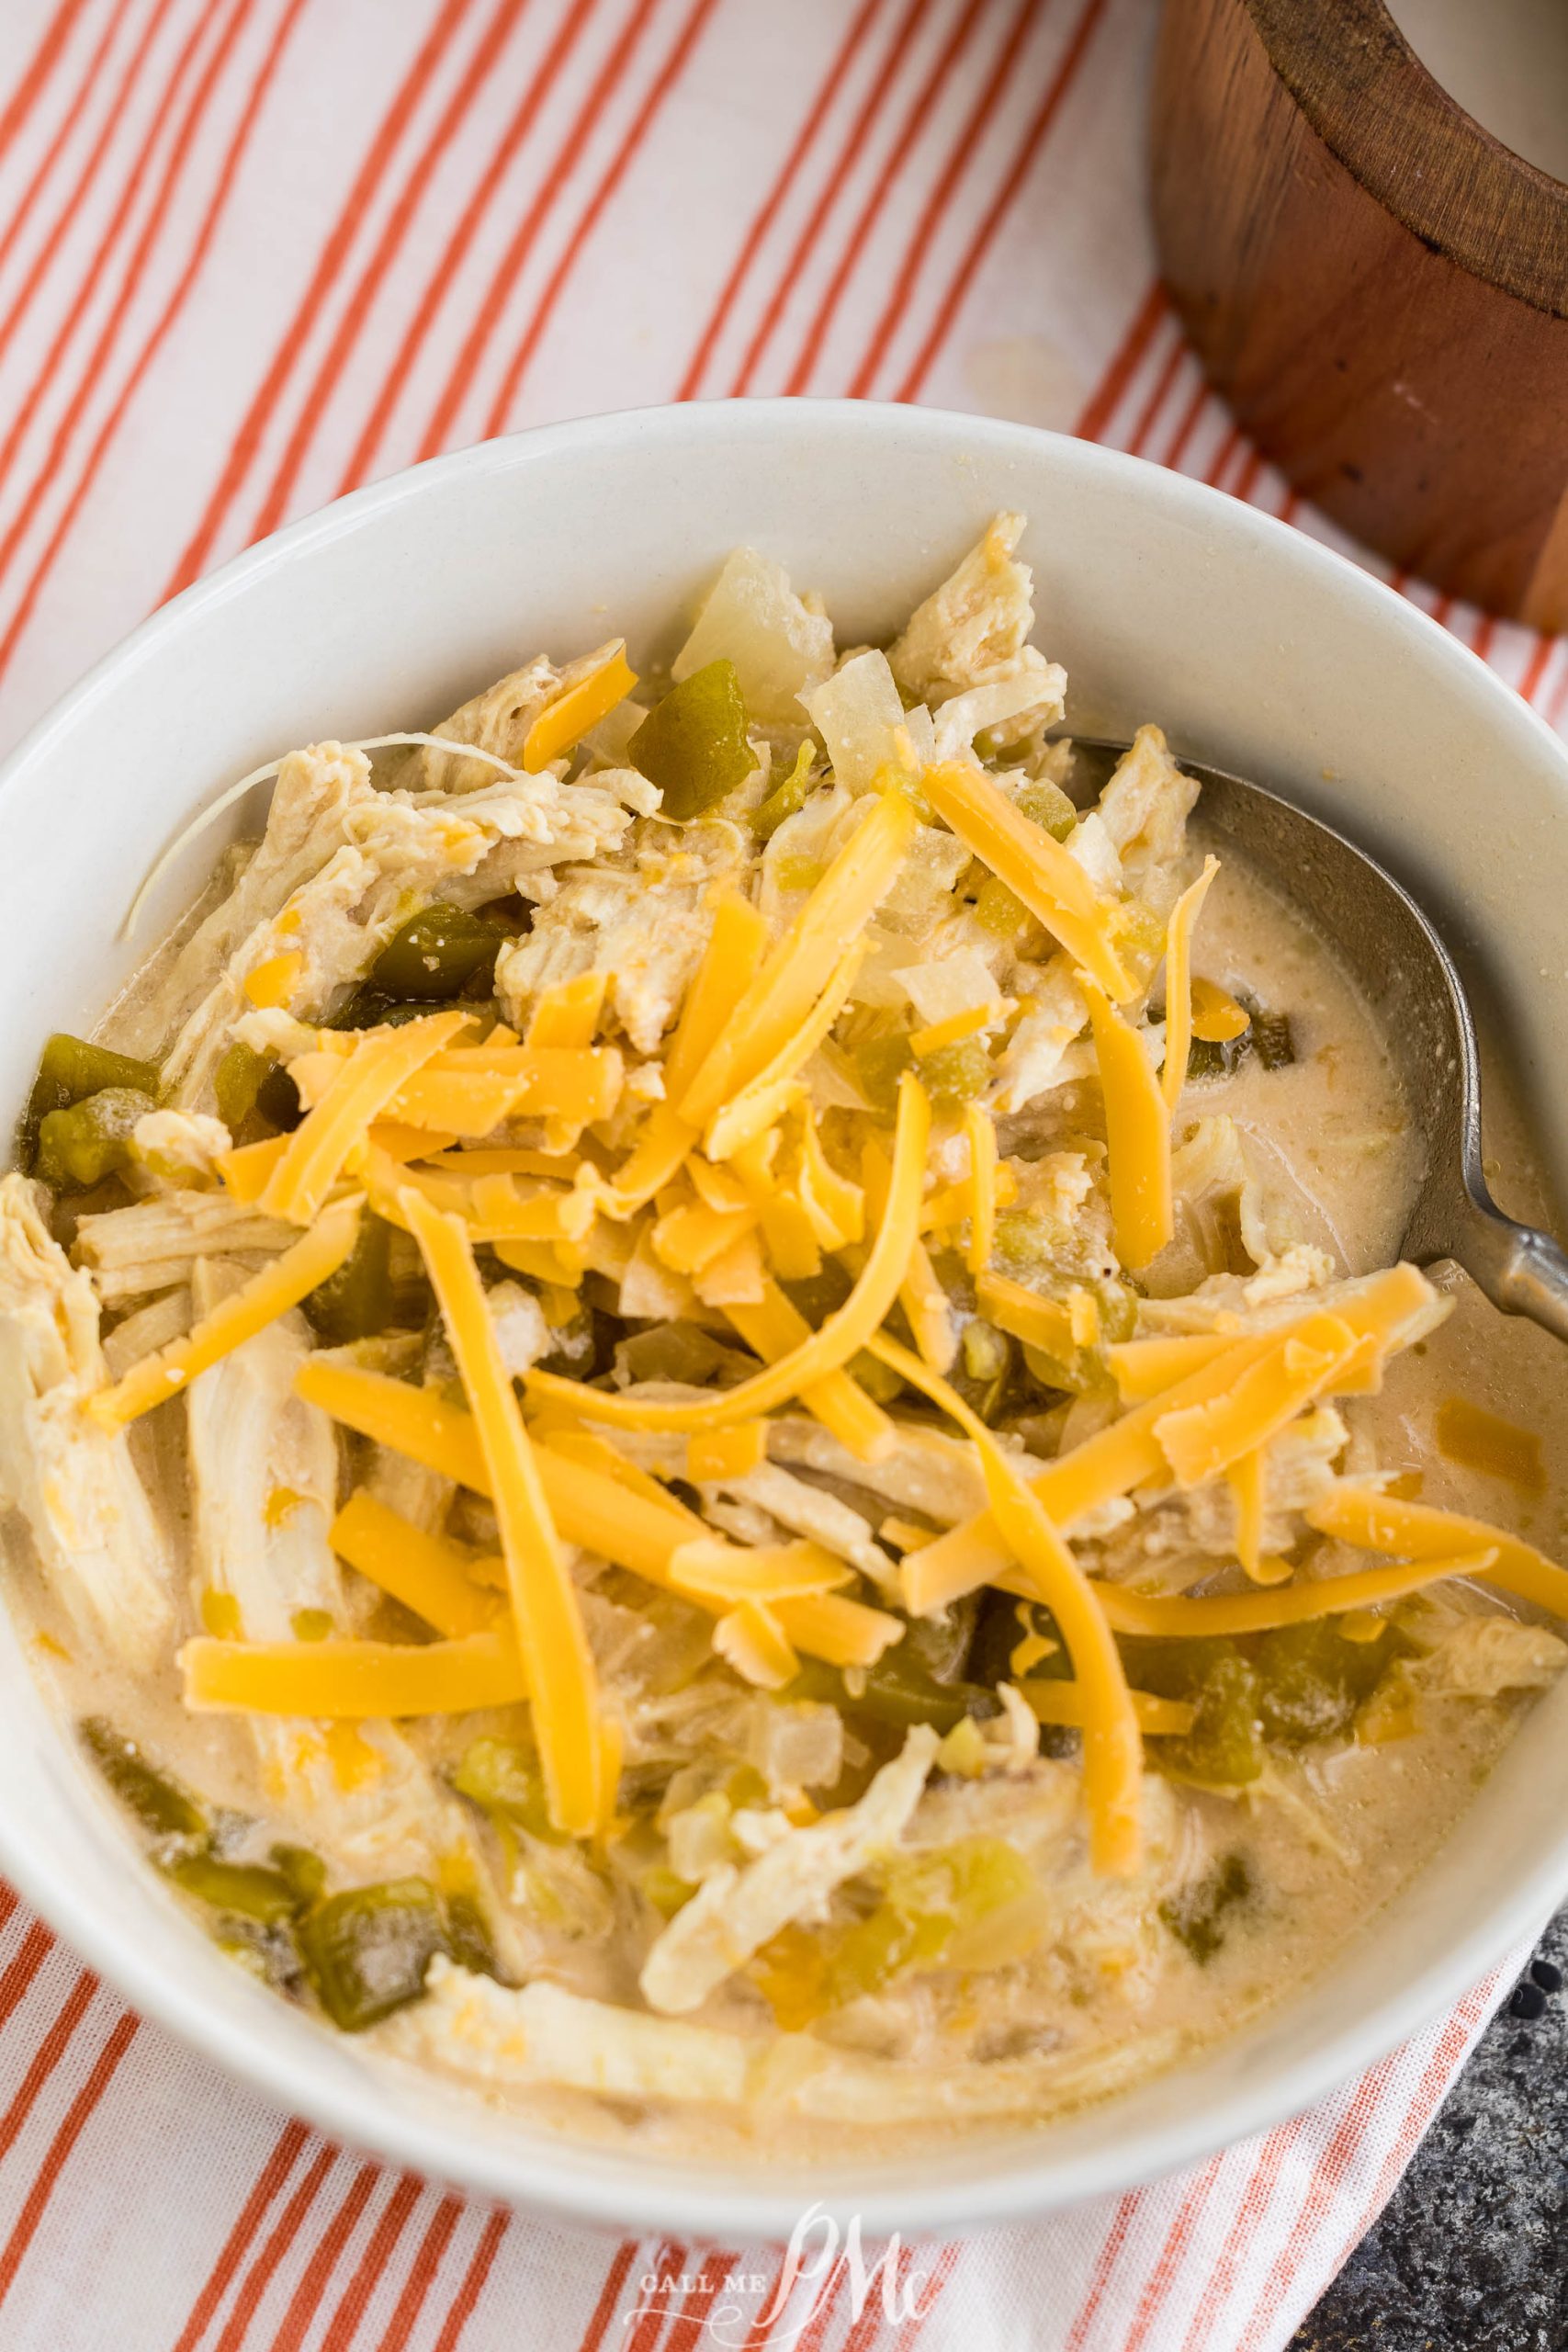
(622, 2191)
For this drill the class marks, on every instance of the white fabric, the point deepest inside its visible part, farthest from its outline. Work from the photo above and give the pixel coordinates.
(253, 251)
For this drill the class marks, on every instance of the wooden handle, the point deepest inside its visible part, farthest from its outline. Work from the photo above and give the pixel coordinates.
(1377, 287)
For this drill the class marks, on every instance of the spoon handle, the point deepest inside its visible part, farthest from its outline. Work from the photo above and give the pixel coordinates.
(1520, 1268)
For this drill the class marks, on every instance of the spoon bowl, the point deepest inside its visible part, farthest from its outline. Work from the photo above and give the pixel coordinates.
(1413, 988)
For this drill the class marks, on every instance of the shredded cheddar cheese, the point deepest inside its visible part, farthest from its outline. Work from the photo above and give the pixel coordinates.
(554, 1647)
(428, 1574)
(1113, 1753)
(360, 1090)
(1038, 870)
(578, 706)
(350, 1681)
(1179, 991)
(1137, 1131)
(289, 1279)
(826, 1350)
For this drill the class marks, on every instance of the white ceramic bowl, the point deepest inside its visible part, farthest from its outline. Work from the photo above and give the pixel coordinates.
(1254, 647)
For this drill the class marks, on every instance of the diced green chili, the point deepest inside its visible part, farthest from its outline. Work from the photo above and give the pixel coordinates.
(306, 1872)
(506, 1779)
(469, 1938)
(955, 1074)
(69, 1068)
(245, 1890)
(435, 953)
(675, 1352)
(1276, 1046)
(1196, 1917)
(693, 743)
(78, 1146)
(1004, 1624)
(879, 1065)
(1314, 1681)
(1048, 806)
(367, 1950)
(158, 1802)
(1000, 910)
(896, 1691)
(356, 1301)
(787, 799)
(1225, 1744)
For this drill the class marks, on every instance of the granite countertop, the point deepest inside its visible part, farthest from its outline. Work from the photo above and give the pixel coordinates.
(1470, 2254)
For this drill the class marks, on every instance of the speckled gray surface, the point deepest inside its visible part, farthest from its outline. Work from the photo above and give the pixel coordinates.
(1470, 2255)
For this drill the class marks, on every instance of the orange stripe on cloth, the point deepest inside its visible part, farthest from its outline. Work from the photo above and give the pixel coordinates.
(34, 1950)
(257, 92)
(1337, 2158)
(380, 2249)
(368, 182)
(263, 2270)
(649, 2316)
(668, 74)
(832, 81)
(98, 260)
(36, 75)
(901, 153)
(46, 2058)
(89, 80)
(473, 2285)
(609, 2296)
(967, 147)
(61, 2148)
(851, 150)
(1125, 362)
(237, 2245)
(575, 22)
(358, 306)
(1030, 147)
(304, 2303)
(422, 2274)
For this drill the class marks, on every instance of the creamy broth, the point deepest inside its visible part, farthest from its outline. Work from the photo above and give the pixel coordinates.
(982, 1964)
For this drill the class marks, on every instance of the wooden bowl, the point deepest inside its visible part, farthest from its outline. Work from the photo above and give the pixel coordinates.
(1376, 284)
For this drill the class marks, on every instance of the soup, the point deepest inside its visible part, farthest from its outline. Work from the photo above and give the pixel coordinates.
(711, 1414)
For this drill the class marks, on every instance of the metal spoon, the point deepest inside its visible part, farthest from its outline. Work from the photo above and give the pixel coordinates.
(1415, 992)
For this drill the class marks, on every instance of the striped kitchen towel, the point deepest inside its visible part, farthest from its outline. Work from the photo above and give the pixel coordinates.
(253, 252)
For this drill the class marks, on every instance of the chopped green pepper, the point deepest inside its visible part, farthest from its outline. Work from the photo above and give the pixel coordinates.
(435, 955)
(879, 1065)
(1225, 1744)
(1196, 1915)
(693, 743)
(306, 1872)
(954, 1074)
(245, 1890)
(1047, 805)
(357, 1300)
(984, 1372)
(1000, 910)
(367, 1950)
(1276, 1046)
(1314, 1681)
(897, 1691)
(69, 1068)
(787, 799)
(78, 1146)
(679, 1351)
(1004, 1624)
(929, 1900)
(506, 1779)
(159, 1804)
(236, 1082)
(469, 1940)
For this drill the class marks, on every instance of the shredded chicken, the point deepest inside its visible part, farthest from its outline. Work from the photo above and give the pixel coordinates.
(99, 1544)
(734, 1911)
